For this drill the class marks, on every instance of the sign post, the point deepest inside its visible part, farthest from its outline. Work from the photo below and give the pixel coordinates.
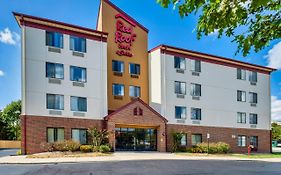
(208, 137)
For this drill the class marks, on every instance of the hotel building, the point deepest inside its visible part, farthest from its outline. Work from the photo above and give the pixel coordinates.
(75, 78)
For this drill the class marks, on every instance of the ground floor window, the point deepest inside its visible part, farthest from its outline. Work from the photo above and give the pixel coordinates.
(196, 139)
(183, 141)
(241, 141)
(79, 135)
(55, 134)
(254, 141)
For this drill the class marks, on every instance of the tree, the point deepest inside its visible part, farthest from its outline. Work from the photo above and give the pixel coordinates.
(276, 131)
(10, 117)
(99, 137)
(252, 23)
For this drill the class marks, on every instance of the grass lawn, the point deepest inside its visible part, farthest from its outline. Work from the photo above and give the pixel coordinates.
(66, 154)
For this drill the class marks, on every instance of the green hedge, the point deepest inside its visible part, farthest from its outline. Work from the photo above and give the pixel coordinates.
(104, 149)
(219, 147)
(86, 148)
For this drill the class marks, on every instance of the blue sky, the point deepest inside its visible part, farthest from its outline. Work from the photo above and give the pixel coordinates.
(165, 27)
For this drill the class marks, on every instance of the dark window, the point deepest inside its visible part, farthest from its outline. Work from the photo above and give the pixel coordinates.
(254, 141)
(195, 89)
(253, 97)
(180, 112)
(55, 101)
(253, 76)
(180, 87)
(179, 63)
(54, 70)
(195, 65)
(77, 44)
(241, 141)
(117, 66)
(118, 89)
(79, 135)
(196, 139)
(241, 117)
(134, 69)
(195, 113)
(241, 74)
(78, 74)
(78, 104)
(253, 119)
(241, 96)
(54, 39)
(55, 134)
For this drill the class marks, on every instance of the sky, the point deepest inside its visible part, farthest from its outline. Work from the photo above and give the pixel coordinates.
(165, 27)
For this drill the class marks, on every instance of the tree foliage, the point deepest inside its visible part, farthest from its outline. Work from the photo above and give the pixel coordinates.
(252, 23)
(10, 118)
(99, 137)
(276, 131)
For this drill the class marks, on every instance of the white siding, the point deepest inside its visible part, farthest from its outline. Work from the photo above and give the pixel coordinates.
(218, 99)
(36, 83)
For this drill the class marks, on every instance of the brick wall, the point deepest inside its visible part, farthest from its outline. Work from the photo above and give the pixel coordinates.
(34, 129)
(223, 135)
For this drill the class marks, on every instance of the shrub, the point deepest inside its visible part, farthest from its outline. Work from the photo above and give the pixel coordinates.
(47, 146)
(66, 145)
(86, 148)
(104, 149)
(219, 147)
(96, 149)
(19, 152)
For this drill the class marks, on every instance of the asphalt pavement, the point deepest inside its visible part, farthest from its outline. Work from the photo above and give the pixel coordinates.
(7, 152)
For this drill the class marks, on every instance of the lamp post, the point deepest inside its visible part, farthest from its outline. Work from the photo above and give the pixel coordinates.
(208, 137)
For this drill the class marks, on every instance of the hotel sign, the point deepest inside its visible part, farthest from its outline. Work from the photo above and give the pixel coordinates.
(124, 35)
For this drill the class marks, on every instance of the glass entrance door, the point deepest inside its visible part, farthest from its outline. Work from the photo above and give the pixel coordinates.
(136, 139)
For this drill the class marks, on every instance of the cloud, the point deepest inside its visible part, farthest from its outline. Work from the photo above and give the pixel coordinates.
(274, 56)
(215, 32)
(9, 37)
(1, 73)
(275, 108)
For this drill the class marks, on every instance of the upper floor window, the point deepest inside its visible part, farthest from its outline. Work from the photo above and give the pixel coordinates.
(253, 76)
(241, 141)
(78, 104)
(134, 91)
(180, 112)
(183, 141)
(241, 117)
(54, 70)
(117, 66)
(195, 89)
(195, 114)
(55, 101)
(253, 97)
(79, 135)
(241, 74)
(77, 44)
(78, 74)
(195, 65)
(55, 134)
(196, 139)
(179, 63)
(180, 87)
(241, 96)
(134, 69)
(253, 119)
(118, 89)
(54, 39)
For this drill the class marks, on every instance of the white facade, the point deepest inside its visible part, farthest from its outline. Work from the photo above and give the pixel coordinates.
(35, 84)
(218, 101)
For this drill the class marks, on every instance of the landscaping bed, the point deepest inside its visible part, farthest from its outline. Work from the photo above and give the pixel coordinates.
(59, 154)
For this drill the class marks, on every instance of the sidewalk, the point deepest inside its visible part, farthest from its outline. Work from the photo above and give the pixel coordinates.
(122, 156)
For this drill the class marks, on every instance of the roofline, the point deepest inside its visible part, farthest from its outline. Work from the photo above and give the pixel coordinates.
(124, 13)
(38, 22)
(211, 58)
(133, 101)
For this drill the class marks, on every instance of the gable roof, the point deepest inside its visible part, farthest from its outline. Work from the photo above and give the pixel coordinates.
(211, 58)
(132, 102)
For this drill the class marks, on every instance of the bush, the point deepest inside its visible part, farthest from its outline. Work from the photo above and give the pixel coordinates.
(47, 146)
(86, 148)
(219, 147)
(104, 149)
(19, 152)
(96, 148)
(66, 145)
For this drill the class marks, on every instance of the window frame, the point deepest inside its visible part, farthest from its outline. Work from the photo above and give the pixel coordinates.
(47, 107)
(240, 144)
(135, 66)
(251, 97)
(193, 93)
(54, 64)
(243, 74)
(72, 78)
(242, 92)
(181, 112)
(117, 61)
(181, 59)
(180, 89)
(184, 135)
(75, 38)
(251, 119)
(200, 112)
(87, 135)
(61, 43)
(193, 65)
(257, 141)
(196, 134)
(135, 87)
(55, 137)
(114, 84)
(241, 116)
(251, 76)
(72, 97)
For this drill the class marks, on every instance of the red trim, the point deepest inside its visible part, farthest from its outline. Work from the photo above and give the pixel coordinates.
(132, 102)
(163, 49)
(126, 15)
(101, 36)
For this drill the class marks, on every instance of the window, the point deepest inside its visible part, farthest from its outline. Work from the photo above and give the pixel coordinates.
(55, 134)
(54, 39)
(254, 141)
(241, 117)
(253, 76)
(241, 141)
(78, 104)
(196, 139)
(241, 74)
(78, 74)
(180, 112)
(55, 101)
(118, 89)
(134, 69)
(195, 90)
(179, 63)
(54, 70)
(180, 87)
(183, 141)
(134, 91)
(77, 44)
(241, 96)
(253, 119)
(253, 97)
(79, 135)
(195, 114)
(117, 66)
(195, 65)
